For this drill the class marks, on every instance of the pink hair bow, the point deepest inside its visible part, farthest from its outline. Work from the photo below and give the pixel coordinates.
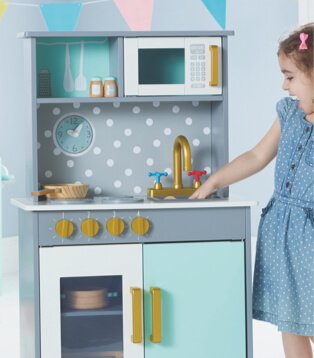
(303, 38)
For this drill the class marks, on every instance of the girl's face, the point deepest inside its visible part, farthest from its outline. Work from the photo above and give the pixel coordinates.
(298, 84)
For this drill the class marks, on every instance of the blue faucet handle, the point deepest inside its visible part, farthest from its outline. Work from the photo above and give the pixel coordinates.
(157, 175)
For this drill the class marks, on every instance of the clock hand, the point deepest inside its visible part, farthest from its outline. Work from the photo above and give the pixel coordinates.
(77, 130)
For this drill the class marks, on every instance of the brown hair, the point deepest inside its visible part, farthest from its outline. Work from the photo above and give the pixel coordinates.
(289, 47)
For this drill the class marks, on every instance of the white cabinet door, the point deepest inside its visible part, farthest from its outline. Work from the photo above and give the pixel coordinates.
(85, 301)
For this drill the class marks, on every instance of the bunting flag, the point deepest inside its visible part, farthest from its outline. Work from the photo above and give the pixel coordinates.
(136, 13)
(3, 7)
(218, 9)
(61, 16)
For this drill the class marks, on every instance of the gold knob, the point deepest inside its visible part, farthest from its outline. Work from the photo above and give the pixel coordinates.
(90, 227)
(115, 226)
(140, 225)
(64, 228)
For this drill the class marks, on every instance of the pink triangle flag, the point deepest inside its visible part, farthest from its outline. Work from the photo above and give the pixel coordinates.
(136, 13)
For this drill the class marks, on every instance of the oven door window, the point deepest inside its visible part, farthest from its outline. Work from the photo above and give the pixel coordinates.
(91, 316)
(161, 66)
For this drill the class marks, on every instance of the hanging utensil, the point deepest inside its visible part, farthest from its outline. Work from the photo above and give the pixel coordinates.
(80, 81)
(68, 83)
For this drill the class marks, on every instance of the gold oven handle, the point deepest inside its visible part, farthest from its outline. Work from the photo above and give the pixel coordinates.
(156, 315)
(136, 315)
(214, 65)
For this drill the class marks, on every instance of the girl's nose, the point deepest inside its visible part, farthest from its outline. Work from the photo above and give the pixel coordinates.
(285, 86)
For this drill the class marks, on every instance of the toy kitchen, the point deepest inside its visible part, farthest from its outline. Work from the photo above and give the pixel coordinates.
(115, 260)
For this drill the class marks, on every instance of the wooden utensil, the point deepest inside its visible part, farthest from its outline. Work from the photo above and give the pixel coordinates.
(63, 191)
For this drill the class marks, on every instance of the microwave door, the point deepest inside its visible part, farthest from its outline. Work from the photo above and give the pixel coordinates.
(203, 66)
(158, 67)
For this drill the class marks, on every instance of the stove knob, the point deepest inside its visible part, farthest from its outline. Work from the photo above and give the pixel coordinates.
(90, 227)
(140, 225)
(64, 228)
(115, 226)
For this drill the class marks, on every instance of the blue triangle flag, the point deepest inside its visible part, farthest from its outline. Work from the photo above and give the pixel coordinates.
(218, 9)
(61, 16)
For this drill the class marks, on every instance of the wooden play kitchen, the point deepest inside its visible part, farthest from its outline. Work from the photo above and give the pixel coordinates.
(117, 274)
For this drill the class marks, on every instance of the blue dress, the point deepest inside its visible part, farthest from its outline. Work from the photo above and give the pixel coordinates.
(283, 290)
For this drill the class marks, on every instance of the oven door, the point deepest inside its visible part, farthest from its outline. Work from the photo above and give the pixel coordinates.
(86, 304)
(154, 66)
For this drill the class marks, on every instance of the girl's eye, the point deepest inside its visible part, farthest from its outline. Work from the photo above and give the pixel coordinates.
(289, 78)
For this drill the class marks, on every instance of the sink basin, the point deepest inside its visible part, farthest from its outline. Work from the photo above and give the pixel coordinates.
(123, 199)
(180, 198)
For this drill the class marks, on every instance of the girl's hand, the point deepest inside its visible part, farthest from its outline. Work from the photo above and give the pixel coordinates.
(204, 190)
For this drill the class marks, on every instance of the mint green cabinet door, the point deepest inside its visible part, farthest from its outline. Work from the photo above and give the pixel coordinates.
(202, 299)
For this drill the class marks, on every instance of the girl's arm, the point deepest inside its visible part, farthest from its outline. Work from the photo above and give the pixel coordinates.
(244, 165)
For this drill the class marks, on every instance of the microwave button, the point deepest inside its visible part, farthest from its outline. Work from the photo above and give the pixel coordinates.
(198, 78)
(197, 85)
(203, 78)
(193, 57)
(192, 78)
(202, 57)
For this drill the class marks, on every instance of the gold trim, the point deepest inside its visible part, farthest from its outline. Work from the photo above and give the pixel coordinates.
(136, 315)
(156, 315)
(214, 65)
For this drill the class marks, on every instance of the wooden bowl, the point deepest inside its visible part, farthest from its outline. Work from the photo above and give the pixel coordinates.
(87, 299)
(63, 191)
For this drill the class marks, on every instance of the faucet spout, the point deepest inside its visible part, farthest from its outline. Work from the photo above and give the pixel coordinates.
(181, 145)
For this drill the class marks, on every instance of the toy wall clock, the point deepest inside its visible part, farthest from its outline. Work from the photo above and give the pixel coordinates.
(73, 134)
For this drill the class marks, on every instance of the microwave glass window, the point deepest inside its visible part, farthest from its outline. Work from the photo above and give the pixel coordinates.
(91, 316)
(161, 66)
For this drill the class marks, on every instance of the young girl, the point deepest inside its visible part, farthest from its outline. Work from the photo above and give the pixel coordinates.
(283, 290)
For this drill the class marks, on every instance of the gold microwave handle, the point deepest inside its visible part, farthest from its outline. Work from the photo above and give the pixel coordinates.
(156, 315)
(136, 315)
(214, 65)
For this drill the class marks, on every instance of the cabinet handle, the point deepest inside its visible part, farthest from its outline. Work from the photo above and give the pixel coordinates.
(136, 315)
(156, 315)
(214, 65)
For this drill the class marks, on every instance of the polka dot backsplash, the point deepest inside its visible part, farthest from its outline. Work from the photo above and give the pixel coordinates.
(130, 141)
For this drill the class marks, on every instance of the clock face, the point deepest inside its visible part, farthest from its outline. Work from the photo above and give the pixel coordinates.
(73, 134)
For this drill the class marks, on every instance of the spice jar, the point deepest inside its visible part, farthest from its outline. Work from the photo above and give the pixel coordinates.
(110, 87)
(96, 87)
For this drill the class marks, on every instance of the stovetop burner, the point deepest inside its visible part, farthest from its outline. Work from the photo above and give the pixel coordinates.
(70, 201)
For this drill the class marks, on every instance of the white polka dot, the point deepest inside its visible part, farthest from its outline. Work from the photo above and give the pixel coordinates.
(117, 144)
(137, 149)
(97, 190)
(57, 151)
(109, 122)
(167, 131)
(128, 172)
(137, 189)
(38, 146)
(195, 103)
(168, 170)
(206, 130)
(156, 104)
(149, 122)
(97, 150)
(188, 121)
(76, 105)
(110, 162)
(150, 161)
(70, 163)
(56, 111)
(116, 104)
(48, 174)
(175, 109)
(96, 110)
(127, 132)
(117, 184)
(156, 143)
(88, 173)
(136, 110)
(196, 142)
(48, 134)
(208, 170)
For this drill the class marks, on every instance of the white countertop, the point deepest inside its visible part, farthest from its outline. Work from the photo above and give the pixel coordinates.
(28, 204)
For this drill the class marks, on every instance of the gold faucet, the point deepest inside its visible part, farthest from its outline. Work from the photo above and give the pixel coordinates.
(180, 146)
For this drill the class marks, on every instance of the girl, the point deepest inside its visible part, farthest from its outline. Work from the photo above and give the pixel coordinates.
(283, 290)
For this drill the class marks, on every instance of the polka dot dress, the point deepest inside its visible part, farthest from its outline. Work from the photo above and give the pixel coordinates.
(283, 290)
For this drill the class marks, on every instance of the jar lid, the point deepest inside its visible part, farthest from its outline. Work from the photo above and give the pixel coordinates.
(96, 79)
(110, 79)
